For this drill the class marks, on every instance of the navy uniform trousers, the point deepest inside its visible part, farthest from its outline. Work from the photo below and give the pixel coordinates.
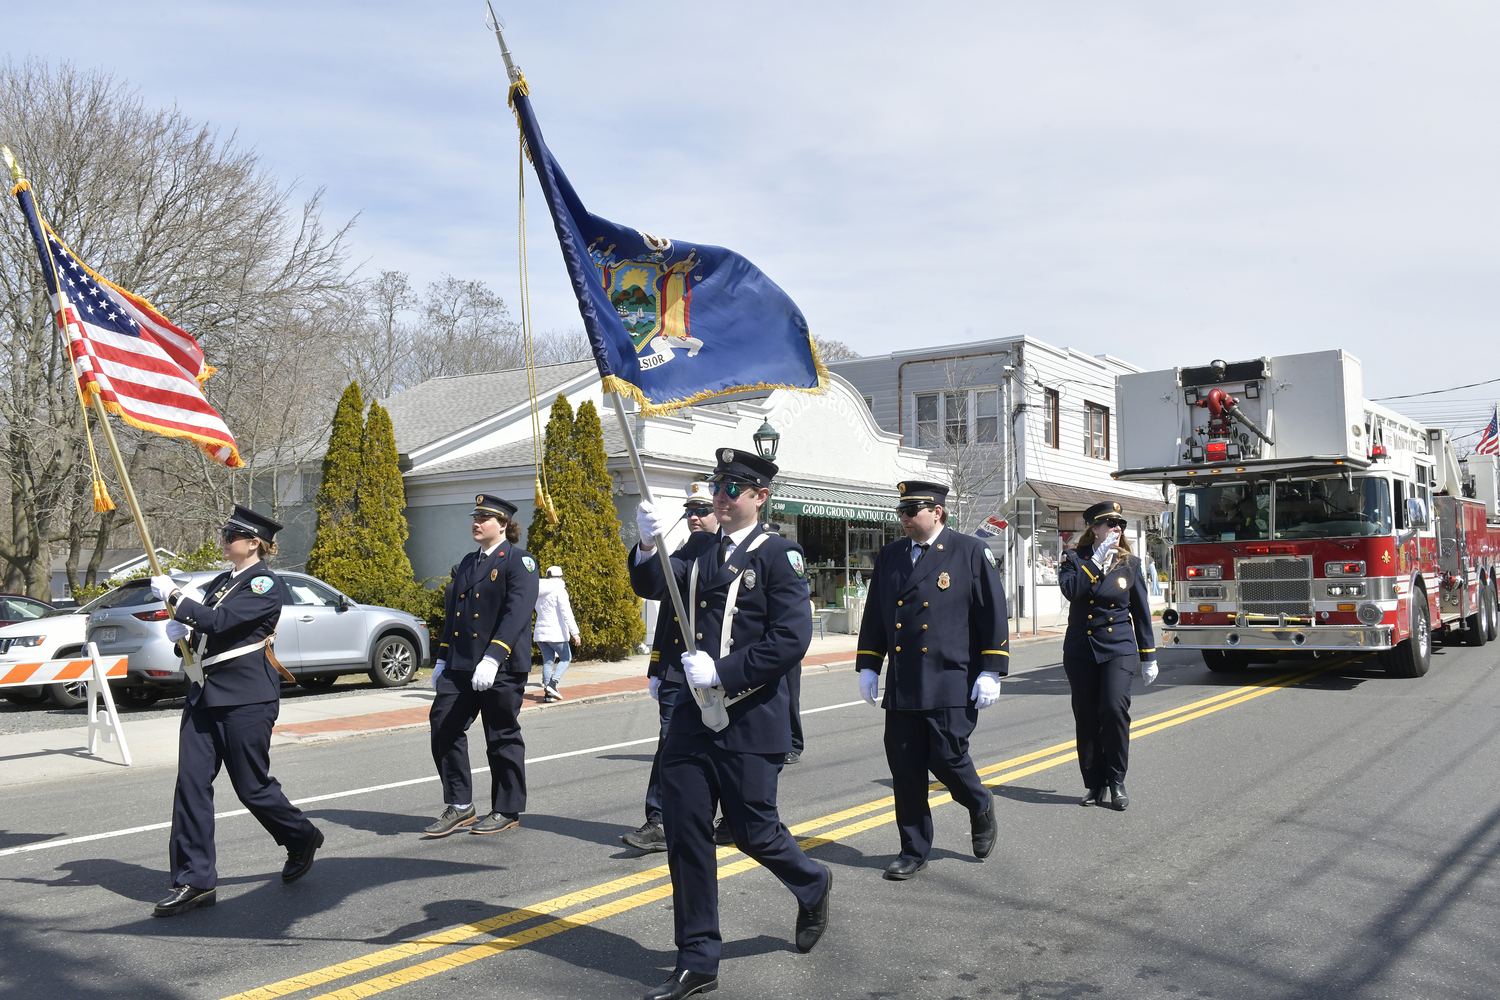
(454, 710)
(237, 737)
(935, 740)
(666, 700)
(1101, 709)
(697, 775)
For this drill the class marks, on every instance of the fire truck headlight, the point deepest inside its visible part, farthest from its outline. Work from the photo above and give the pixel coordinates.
(1344, 568)
(1370, 613)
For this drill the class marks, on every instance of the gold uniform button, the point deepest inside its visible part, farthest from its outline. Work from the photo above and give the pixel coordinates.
(899, 603)
(924, 649)
(898, 624)
(898, 649)
(924, 604)
(476, 635)
(924, 626)
(1091, 602)
(1091, 631)
(1109, 630)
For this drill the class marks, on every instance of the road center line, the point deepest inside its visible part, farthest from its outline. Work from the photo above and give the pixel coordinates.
(1008, 770)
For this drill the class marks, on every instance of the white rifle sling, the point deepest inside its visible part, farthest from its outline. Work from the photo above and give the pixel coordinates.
(726, 630)
(230, 654)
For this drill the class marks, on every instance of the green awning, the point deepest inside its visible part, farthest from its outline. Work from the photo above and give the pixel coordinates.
(846, 505)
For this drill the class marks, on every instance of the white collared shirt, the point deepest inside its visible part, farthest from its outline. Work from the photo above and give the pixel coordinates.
(486, 553)
(736, 539)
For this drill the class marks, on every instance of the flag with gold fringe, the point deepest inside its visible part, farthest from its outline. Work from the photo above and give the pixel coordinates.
(143, 368)
(671, 323)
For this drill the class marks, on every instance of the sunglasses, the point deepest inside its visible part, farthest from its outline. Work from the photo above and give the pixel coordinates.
(1111, 523)
(733, 490)
(912, 509)
(705, 511)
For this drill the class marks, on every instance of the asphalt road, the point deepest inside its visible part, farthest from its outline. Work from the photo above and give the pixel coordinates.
(1330, 837)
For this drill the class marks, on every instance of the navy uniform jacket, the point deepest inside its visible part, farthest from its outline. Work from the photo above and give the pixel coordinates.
(667, 647)
(1110, 613)
(941, 622)
(235, 611)
(489, 607)
(771, 632)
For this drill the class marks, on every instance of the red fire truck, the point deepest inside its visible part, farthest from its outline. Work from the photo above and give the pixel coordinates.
(1310, 521)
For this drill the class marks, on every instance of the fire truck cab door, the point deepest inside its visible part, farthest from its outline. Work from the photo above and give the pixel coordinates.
(1450, 553)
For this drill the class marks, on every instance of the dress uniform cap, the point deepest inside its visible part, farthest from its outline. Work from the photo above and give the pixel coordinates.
(489, 505)
(1103, 509)
(746, 466)
(913, 491)
(249, 522)
(699, 495)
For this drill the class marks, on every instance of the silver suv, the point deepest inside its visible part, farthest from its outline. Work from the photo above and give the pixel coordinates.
(321, 635)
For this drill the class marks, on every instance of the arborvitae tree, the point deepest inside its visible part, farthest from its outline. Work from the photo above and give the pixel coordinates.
(336, 554)
(586, 540)
(385, 577)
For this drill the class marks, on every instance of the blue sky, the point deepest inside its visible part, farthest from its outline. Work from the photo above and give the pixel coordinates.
(1165, 182)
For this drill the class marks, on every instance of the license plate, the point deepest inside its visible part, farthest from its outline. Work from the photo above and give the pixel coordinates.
(103, 635)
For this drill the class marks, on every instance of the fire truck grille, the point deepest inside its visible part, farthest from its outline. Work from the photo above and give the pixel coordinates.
(1275, 586)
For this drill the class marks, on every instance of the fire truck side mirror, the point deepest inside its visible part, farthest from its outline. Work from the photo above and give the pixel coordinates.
(1416, 512)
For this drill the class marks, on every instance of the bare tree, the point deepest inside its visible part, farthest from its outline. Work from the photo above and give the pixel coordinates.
(973, 457)
(833, 350)
(171, 210)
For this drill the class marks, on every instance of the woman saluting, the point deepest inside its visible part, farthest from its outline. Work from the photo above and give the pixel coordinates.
(228, 717)
(1109, 633)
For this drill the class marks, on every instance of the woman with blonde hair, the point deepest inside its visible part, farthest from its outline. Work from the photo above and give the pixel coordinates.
(1109, 637)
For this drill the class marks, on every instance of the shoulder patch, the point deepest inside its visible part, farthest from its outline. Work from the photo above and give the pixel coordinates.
(529, 563)
(795, 558)
(989, 556)
(261, 584)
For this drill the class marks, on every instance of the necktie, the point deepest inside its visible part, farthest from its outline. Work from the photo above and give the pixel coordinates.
(917, 552)
(725, 543)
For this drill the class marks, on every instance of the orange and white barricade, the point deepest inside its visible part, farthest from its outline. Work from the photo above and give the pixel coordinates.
(93, 669)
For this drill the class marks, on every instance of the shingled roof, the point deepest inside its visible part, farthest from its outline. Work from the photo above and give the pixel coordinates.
(442, 406)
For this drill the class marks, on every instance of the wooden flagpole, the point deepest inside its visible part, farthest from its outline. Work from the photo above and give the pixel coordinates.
(189, 664)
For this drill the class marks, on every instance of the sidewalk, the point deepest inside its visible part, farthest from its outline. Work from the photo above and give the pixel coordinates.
(60, 753)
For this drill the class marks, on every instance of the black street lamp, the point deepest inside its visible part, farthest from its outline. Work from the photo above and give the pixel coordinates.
(767, 440)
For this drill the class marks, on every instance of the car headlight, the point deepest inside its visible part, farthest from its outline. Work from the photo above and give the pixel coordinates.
(27, 641)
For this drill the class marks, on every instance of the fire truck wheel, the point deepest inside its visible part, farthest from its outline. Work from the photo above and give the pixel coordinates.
(1477, 625)
(1492, 612)
(1413, 655)
(1224, 662)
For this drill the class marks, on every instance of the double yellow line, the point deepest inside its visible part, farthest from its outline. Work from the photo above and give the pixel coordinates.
(841, 828)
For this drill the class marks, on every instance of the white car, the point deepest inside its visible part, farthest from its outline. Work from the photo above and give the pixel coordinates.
(54, 636)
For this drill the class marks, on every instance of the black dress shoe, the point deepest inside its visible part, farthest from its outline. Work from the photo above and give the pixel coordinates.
(723, 836)
(299, 862)
(684, 984)
(1093, 797)
(451, 819)
(812, 923)
(497, 822)
(985, 831)
(792, 757)
(182, 899)
(904, 868)
(1117, 797)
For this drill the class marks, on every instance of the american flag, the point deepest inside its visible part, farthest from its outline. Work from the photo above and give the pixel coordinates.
(991, 527)
(1489, 442)
(145, 370)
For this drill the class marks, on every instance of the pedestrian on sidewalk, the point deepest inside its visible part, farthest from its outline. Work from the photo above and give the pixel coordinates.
(1109, 639)
(229, 714)
(751, 624)
(936, 607)
(554, 630)
(665, 676)
(482, 664)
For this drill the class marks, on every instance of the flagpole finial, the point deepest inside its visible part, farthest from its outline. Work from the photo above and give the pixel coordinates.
(15, 168)
(498, 27)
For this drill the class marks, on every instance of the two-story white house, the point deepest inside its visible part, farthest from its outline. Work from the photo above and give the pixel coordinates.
(1026, 433)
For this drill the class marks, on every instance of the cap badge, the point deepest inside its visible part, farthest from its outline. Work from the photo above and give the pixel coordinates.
(943, 581)
(479, 498)
(901, 487)
(727, 455)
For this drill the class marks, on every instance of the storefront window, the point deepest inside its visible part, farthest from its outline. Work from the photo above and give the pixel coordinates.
(840, 555)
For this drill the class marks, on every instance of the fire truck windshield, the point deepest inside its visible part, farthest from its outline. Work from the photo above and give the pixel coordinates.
(1305, 508)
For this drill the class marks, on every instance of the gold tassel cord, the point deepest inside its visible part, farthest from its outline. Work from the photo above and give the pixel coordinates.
(543, 498)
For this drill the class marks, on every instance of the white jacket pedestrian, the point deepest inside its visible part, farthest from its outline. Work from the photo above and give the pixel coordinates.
(555, 629)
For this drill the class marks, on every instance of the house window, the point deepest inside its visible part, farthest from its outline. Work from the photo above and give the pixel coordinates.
(1050, 409)
(987, 416)
(928, 420)
(869, 403)
(1096, 431)
(956, 418)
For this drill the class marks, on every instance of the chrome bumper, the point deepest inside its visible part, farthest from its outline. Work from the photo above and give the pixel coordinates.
(1276, 639)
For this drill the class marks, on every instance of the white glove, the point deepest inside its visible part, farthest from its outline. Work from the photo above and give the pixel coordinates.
(177, 630)
(1148, 672)
(699, 668)
(986, 689)
(162, 587)
(437, 671)
(651, 521)
(484, 674)
(1105, 546)
(654, 686)
(869, 687)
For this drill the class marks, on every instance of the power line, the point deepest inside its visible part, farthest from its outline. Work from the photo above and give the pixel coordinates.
(1434, 392)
